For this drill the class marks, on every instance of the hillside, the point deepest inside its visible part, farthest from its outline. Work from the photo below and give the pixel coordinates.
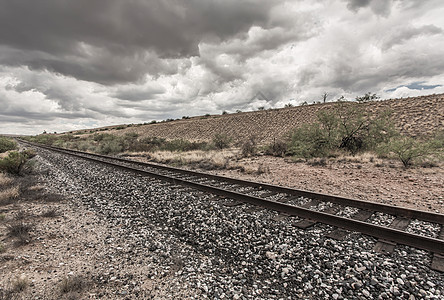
(413, 116)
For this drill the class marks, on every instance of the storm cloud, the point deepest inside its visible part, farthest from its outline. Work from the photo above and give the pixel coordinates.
(73, 64)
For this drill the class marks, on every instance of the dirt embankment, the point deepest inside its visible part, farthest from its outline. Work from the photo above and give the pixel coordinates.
(413, 116)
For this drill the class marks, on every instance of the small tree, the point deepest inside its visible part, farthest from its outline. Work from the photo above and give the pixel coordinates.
(408, 149)
(324, 97)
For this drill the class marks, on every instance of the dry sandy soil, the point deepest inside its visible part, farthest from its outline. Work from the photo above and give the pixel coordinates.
(46, 264)
(419, 188)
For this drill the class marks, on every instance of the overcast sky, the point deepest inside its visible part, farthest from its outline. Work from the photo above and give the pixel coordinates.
(71, 64)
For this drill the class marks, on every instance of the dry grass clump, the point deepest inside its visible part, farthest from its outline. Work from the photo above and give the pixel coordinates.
(37, 187)
(20, 230)
(9, 194)
(364, 157)
(50, 213)
(4, 180)
(73, 284)
(19, 284)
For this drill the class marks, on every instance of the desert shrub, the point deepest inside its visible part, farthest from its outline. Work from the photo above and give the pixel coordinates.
(221, 141)
(110, 147)
(15, 161)
(346, 128)
(7, 144)
(249, 147)
(277, 148)
(151, 143)
(408, 149)
(20, 230)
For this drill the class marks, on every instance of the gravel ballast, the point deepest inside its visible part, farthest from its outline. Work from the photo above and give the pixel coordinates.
(190, 245)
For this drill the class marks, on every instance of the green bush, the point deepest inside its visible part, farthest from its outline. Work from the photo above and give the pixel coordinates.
(347, 127)
(15, 161)
(112, 146)
(408, 149)
(7, 144)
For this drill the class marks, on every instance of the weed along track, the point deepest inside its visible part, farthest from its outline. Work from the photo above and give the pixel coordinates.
(391, 225)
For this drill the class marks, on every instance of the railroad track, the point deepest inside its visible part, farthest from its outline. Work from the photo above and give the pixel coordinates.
(344, 214)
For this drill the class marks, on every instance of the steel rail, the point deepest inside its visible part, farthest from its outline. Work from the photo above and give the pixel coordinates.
(385, 233)
(368, 205)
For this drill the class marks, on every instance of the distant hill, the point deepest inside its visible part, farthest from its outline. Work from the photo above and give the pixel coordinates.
(413, 116)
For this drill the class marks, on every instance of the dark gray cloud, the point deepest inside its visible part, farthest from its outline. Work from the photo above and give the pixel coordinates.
(379, 7)
(355, 5)
(76, 64)
(107, 41)
(400, 34)
(138, 93)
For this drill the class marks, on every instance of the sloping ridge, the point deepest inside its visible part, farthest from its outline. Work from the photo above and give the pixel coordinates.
(413, 116)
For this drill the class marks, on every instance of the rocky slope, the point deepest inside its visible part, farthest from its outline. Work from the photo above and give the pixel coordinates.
(413, 116)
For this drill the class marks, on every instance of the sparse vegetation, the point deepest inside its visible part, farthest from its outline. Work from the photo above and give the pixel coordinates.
(409, 150)
(9, 194)
(7, 144)
(20, 230)
(249, 147)
(15, 162)
(221, 141)
(19, 284)
(72, 284)
(277, 148)
(5, 180)
(346, 128)
(50, 213)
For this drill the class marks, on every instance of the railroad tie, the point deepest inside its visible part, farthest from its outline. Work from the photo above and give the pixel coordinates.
(438, 259)
(305, 223)
(258, 208)
(384, 246)
(340, 234)
(281, 216)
